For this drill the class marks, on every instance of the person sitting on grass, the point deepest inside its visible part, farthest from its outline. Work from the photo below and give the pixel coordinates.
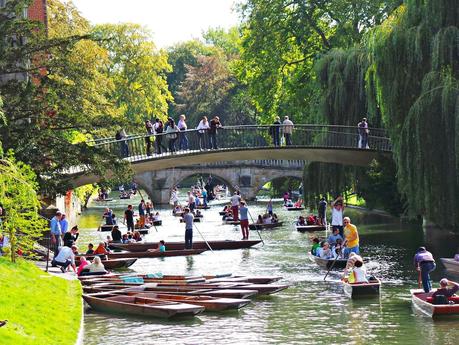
(65, 258)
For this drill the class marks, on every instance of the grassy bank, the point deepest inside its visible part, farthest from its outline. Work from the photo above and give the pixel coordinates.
(40, 308)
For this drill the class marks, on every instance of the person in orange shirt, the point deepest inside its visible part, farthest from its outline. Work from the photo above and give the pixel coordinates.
(351, 236)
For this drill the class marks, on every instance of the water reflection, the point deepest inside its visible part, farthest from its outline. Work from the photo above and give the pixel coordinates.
(311, 311)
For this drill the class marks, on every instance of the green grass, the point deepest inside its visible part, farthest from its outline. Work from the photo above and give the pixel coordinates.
(40, 308)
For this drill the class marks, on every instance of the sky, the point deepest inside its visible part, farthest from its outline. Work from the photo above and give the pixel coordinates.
(170, 21)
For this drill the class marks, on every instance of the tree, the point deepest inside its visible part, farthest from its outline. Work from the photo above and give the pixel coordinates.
(137, 70)
(416, 68)
(20, 221)
(60, 98)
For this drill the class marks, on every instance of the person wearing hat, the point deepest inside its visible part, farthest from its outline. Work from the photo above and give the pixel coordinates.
(444, 290)
(363, 133)
(213, 126)
(424, 263)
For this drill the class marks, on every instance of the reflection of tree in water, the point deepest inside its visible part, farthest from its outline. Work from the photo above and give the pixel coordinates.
(189, 263)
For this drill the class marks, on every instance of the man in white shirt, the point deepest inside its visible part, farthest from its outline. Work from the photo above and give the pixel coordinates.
(288, 130)
(235, 201)
(65, 258)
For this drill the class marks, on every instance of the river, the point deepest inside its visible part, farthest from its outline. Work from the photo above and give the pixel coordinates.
(311, 311)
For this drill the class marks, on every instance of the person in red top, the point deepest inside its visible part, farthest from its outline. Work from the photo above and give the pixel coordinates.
(101, 250)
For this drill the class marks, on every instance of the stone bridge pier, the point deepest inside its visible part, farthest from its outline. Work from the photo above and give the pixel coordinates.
(247, 177)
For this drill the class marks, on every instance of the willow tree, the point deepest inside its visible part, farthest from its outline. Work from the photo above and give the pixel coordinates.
(416, 65)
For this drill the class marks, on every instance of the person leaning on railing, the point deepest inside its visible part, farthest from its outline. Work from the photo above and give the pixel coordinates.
(202, 128)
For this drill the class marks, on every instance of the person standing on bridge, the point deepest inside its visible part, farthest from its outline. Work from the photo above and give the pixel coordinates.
(214, 125)
(202, 128)
(150, 132)
(183, 139)
(172, 134)
(288, 130)
(159, 129)
(274, 131)
(121, 136)
(362, 127)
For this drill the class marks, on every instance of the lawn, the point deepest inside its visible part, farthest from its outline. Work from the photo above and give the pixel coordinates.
(40, 308)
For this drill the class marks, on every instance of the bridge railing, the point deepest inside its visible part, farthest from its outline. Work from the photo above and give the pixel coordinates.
(240, 137)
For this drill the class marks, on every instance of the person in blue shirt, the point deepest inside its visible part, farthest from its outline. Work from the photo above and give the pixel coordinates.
(334, 237)
(243, 210)
(64, 224)
(55, 229)
(204, 197)
(162, 246)
(188, 217)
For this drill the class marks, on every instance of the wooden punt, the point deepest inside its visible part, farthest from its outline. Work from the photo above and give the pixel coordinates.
(180, 290)
(362, 290)
(254, 280)
(423, 302)
(294, 208)
(233, 222)
(140, 306)
(157, 222)
(310, 228)
(119, 276)
(125, 197)
(215, 245)
(106, 227)
(141, 279)
(102, 200)
(196, 220)
(208, 302)
(451, 265)
(144, 231)
(222, 213)
(326, 264)
(265, 226)
(202, 207)
(157, 254)
(114, 263)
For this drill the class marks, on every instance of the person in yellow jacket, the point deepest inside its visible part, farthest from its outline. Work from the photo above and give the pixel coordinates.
(351, 236)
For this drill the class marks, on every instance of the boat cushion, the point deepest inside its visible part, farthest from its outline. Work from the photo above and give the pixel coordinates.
(155, 275)
(133, 280)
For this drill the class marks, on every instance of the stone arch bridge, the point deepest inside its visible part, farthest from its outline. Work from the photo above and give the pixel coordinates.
(156, 159)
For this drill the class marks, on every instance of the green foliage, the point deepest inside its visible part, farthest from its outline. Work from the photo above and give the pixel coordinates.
(19, 200)
(416, 64)
(137, 70)
(37, 306)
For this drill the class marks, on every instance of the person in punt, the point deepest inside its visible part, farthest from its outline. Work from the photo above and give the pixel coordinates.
(334, 237)
(101, 250)
(83, 263)
(445, 291)
(260, 219)
(136, 236)
(353, 258)
(125, 239)
(358, 274)
(96, 266)
(326, 252)
(315, 246)
(301, 221)
(90, 250)
(274, 218)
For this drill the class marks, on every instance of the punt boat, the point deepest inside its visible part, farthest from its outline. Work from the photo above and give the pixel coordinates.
(423, 302)
(362, 290)
(265, 226)
(215, 245)
(309, 228)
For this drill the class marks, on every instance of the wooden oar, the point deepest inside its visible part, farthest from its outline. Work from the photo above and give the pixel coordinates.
(256, 227)
(419, 277)
(208, 245)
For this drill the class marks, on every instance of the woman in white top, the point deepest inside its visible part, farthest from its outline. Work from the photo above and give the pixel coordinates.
(96, 265)
(183, 139)
(202, 128)
(360, 272)
(337, 215)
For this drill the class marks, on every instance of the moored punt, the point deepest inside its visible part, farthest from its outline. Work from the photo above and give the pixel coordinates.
(265, 226)
(196, 220)
(155, 254)
(157, 222)
(115, 263)
(143, 231)
(215, 245)
(102, 200)
(141, 279)
(222, 213)
(293, 208)
(254, 280)
(180, 290)
(424, 303)
(140, 306)
(327, 264)
(208, 302)
(362, 290)
(310, 228)
(451, 265)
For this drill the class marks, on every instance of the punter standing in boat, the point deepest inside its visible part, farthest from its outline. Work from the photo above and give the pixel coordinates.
(244, 220)
(425, 263)
(129, 218)
(352, 237)
(188, 217)
(142, 210)
(235, 201)
(337, 214)
(322, 210)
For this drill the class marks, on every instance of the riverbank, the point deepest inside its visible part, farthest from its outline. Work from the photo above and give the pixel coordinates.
(40, 308)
